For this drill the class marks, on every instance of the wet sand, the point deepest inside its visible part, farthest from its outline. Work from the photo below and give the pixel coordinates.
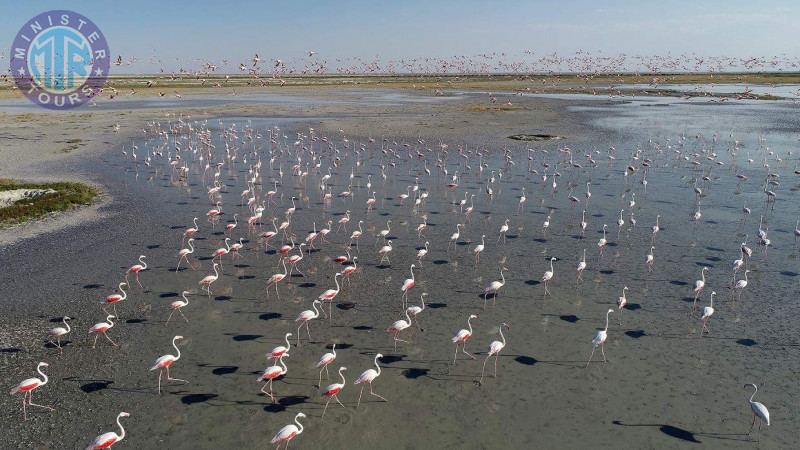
(663, 387)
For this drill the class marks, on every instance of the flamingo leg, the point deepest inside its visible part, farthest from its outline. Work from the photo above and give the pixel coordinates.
(326, 406)
(337, 400)
(298, 334)
(184, 317)
(376, 395)
(308, 331)
(140, 283)
(752, 425)
(603, 351)
(464, 350)
(170, 317)
(455, 354)
(496, 357)
(95, 341)
(30, 403)
(159, 381)
(484, 366)
(173, 379)
(359, 396)
(590, 356)
(109, 340)
(25, 407)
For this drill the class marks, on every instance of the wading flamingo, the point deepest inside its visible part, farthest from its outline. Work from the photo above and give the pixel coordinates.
(759, 410)
(462, 337)
(280, 350)
(106, 440)
(707, 312)
(58, 332)
(582, 266)
(103, 327)
(332, 390)
(494, 287)
(304, 317)
(27, 387)
(271, 373)
(135, 270)
(177, 305)
(494, 349)
(548, 275)
(368, 376)
(699, 285)
(398, 326)
(184, 254)
(113, 299)
(165, 361)
(323, 362)
(288, 432)
(206, 282)
(277, 278)
(600, 339)
(414, 310)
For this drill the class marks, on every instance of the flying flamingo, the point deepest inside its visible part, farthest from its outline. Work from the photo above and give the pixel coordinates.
(114, 298)
(398, 326)
(27, 387)
(323, 362)
(368, 376)
(103, 327)
(478, 249)
(462, 337)
(177, 305)
(165, 361)
(600, 339)
(190, 231)
(304, 317)
(707, 312)
(288, 432)
(494, 349)
(330, 294)
(280, 350)
(759, 410)
(210, 279)
(272, 372)
(603, 242)
(407, 285)
(414, 310)
(57, 332)
(136, 269)
(582, 266)
(699, 285)
(384, 251)
(277, 278)
(494, 287)
(332, 390)
(106, 440)
(548, 275)
(184, 254)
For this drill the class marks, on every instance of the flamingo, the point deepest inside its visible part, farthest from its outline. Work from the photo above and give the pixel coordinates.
(58, 332)
(707, 312)
(759, 410)
(408, 284)
(343, 221)
(494, 349)
(220, 252)
(332, 390)
(103, 327)
(341, 259)
(267, 235)
(741, 284)
(136, 269)
(584, 223)
(600, 339)
(184, 254)
(398, 326)
(384, 251)
(355, 236)
(796, 231)
(503, 231)
(421, 253)
(545, 225)
(280, 350)
(330, 294)
(650, 259)
(274, 279)
(370, 202)
(294, 259)
(494, 287)
(27, 387)
(190, 231)
(323, 362)
(231, 226)
(462, 337)
(421, 227)
(106, 440)
(368, 376)
(582, 266)
(165, 361)
(622, 301)
(385, 232)
(206, 282)
(349, 270)
(304, 317)
(478, 249)
(177, 305)
(414, 310)
(114, 298)
(699, 285)
(288, 432)
(271, 373)
(548, 275)
(657, 228)
(455, 236)
(603, 242)
(522, 199)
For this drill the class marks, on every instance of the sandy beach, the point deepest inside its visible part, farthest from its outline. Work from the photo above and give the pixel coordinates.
(665, 385)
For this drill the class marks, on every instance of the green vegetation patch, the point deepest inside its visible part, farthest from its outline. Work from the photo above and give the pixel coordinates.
(64, 196)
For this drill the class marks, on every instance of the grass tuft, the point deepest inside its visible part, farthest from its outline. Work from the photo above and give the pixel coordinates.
(68, 195)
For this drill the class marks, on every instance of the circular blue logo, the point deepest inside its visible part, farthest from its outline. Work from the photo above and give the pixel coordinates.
(60, 59)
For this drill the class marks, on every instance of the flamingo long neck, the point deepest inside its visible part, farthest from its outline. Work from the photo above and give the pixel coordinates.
(144, 264)
(604, 232)
(407, 317)
(469, 324)
(376, 365)
(620, 215)
(273, 224)
(183, 294)
(195, 223)
(285, 270)
(712, 300)
(754, 393)
(623, 295)
(606, 328)
(551, 266)
(39, 369)
(336, 279)
(124, 294)
(283, 364)
(299, 425)
(288, 345)
(122, 430)
(215, 271)
(359, 228)
(226, 244)
(503, 276)
(344, 382)
(177, 349)
(482, 241)
(412, 273)
(698, 208)
(584, 255)
(316, 312)
(191, 246)
(109, 321)
(502, 335)
(334, 350)
(703, 275)
(745, 276)
(388, 227)
(65, 323)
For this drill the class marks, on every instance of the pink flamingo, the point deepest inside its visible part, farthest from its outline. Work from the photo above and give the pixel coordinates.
(398, 326)
(323, 362)
(220, 252)
(304, 317)
(356, 235)
(548, 275)
(759, 410)
(267, 235)
(494, 287)
(165, 361)
(288, 432)
(184, 254)
(350, 270)
(114, 298)
(330, 294)
(106, 440)
(272, 372)
(136, 269)
(27, 387)
(341, 259)
(332, 390)
(494, 349)
(103, 327)
(414, 310)
(462, 337)
(407, 285)
(368, 376)
(277, 278)
(384, 251)
(280, 350)
(206, 282)
(177, 305)
(600, 339)
(707, 312)
(294, 259)
(58, 332)
(699, 285)
(190, 231)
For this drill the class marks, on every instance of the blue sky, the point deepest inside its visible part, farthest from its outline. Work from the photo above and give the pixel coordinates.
(180, 35)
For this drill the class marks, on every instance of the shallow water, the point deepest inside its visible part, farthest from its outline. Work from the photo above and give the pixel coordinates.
(663, 387)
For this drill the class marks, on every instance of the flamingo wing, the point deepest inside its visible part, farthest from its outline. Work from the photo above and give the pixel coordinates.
(105, 440)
